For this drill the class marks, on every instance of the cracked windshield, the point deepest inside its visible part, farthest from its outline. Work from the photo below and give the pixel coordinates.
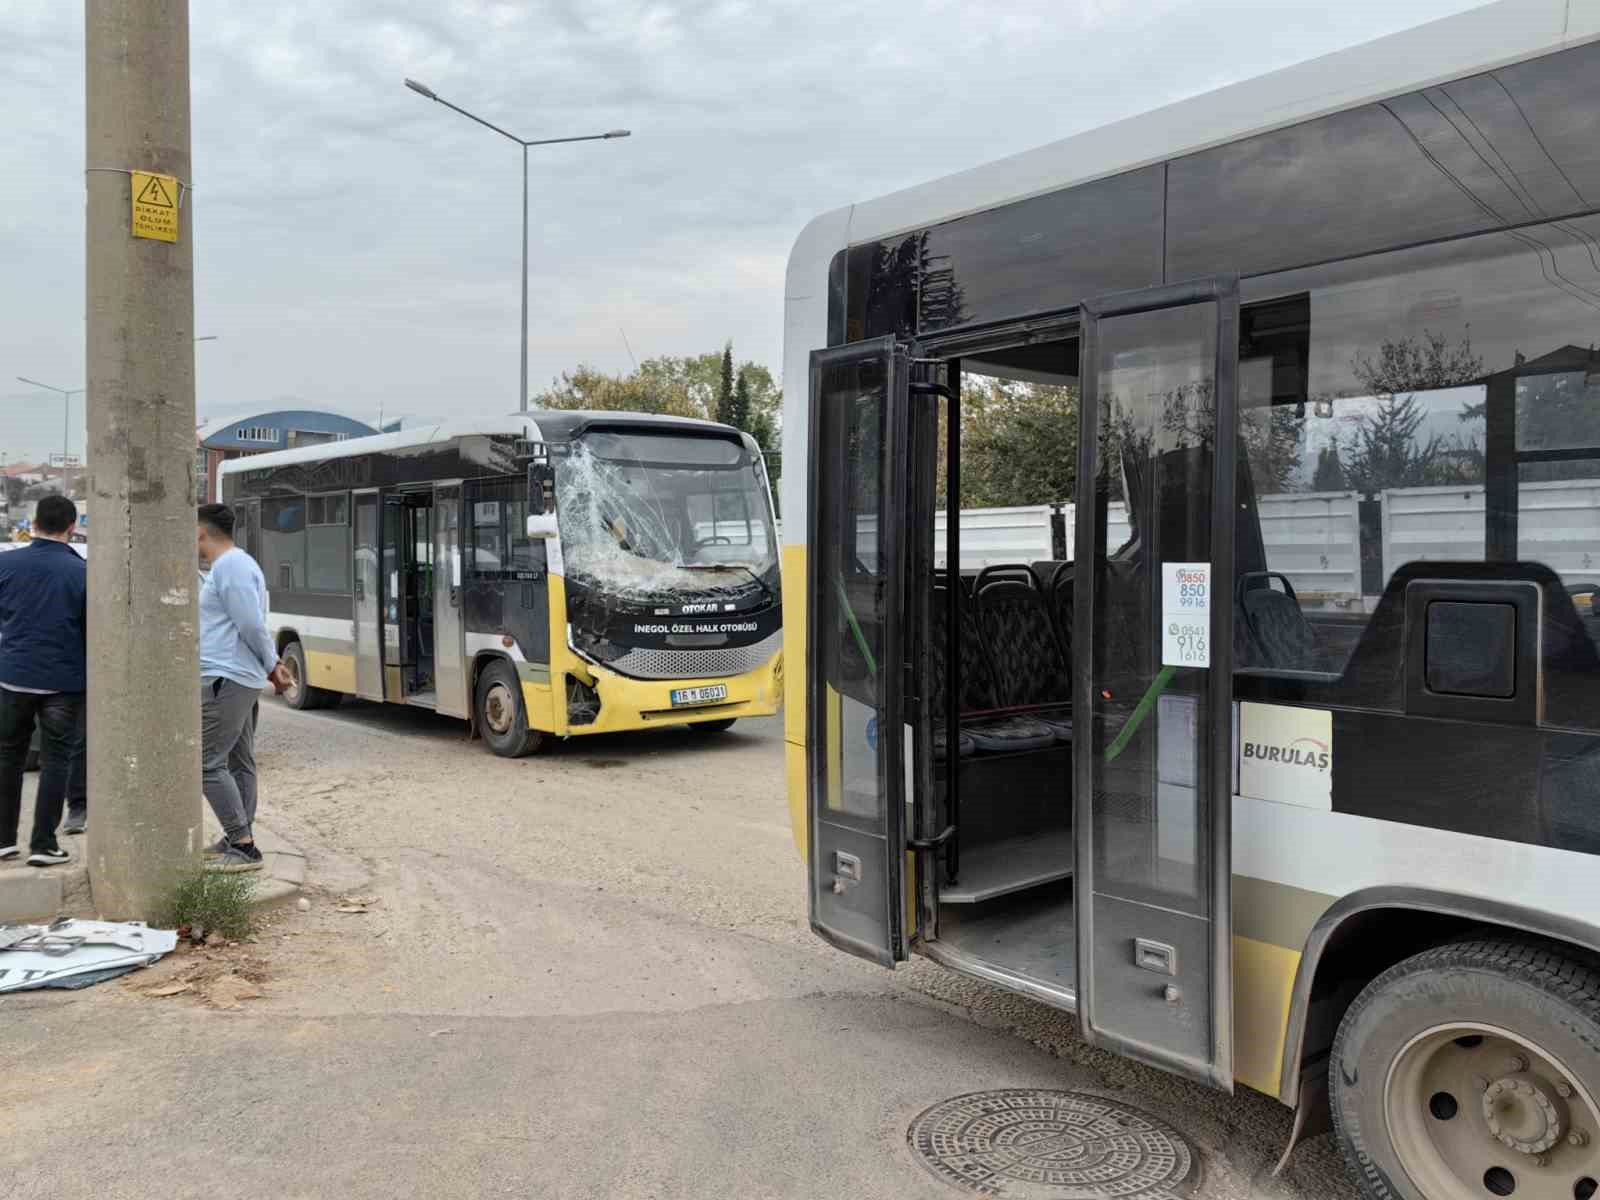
(652, 518)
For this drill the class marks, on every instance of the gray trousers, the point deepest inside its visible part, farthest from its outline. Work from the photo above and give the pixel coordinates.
(228, 753)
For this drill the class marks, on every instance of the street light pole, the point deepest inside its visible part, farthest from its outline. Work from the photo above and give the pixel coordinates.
(428, 93)
(66, 420)
(522, 391)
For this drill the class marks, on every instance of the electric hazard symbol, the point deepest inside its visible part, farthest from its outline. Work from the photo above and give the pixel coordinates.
(155, 206)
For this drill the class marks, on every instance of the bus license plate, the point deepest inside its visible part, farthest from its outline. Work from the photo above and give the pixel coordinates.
(682, 697)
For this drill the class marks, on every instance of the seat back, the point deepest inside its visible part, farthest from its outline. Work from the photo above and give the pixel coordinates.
(1277, 632)
(1029, 664)
(1058, 595)
(994, 572)
(977, 682)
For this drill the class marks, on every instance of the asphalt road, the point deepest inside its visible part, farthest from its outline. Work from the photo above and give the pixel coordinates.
(585, 974)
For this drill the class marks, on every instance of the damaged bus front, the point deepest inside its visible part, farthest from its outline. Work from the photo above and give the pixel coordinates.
(662, 546)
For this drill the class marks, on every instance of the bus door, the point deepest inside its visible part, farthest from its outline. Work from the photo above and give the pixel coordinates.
(1153, 765)
(368, 597)
(449, 646)
(859, 638)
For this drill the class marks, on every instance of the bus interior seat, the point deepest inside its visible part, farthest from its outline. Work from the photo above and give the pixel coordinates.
(940, 682)
(1058, 594)
(986, 729)
(1277, 634)
(1020, 642)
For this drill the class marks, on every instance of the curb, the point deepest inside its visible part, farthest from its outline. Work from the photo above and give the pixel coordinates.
(44, 893)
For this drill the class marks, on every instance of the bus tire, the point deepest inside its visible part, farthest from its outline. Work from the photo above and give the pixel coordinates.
(1472, 1069)
(721, 726)
(300, 694)
(502, 713)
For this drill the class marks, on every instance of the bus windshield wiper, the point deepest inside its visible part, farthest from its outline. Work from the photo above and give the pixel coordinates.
(760, 583)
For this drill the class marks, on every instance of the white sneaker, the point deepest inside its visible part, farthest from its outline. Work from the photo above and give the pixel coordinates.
(48, 858)
(8, 852)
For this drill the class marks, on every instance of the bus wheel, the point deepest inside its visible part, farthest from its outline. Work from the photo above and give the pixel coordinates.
(300, 694)
(713, 726)
(1472, 1069)
(502, 715)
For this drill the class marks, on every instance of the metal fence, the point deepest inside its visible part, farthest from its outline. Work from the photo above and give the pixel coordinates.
(1315, 538)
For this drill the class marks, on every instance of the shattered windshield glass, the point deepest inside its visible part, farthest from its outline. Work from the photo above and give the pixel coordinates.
(654, 516)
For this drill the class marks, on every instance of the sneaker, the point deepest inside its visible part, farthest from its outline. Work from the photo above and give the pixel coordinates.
(8, 852)
(75, 823)
(219, 847)
(235, 859)
(48, 858)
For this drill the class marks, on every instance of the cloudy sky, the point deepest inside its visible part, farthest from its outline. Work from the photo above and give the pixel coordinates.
(357, 246)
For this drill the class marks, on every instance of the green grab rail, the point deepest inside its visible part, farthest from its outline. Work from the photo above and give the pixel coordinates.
(855, 628)
(1140, 712)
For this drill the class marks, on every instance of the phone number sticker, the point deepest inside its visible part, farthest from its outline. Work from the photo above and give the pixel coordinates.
(1186, 614)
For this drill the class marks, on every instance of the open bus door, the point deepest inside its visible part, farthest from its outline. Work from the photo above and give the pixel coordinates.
(1153, 764)
(862, 675)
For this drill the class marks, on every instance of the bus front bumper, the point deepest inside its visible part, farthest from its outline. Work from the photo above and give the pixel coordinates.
(628, 704)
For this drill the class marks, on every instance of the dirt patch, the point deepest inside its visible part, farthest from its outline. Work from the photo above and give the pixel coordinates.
(222, 976)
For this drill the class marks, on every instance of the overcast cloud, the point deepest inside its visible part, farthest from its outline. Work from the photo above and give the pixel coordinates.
(357, 246)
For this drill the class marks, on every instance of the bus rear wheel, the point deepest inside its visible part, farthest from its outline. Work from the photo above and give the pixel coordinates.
(300, 694)
(1472, 1070)
(502, 713)
(721, 726)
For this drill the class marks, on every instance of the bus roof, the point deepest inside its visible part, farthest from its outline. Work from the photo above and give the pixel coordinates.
(1480, 39)
(538, 425)
(1477, 40)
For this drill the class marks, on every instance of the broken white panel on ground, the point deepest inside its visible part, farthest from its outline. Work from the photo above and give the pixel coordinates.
(48, 956)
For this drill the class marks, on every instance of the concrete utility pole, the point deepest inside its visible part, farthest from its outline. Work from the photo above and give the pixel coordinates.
(144, 713)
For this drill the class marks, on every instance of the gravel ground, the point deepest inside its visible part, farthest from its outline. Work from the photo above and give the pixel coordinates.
(582, 974)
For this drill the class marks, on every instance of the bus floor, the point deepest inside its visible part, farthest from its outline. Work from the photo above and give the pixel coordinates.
(1029, 933)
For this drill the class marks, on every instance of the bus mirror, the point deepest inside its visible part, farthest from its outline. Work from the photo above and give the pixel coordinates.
(541, 525)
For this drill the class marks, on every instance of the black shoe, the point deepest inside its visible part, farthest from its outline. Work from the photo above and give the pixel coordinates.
(48, 858)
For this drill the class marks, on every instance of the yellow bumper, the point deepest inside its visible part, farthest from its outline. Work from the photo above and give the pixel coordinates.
(627, 704)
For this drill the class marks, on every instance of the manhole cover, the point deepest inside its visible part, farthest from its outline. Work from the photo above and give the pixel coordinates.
(1036, 1144)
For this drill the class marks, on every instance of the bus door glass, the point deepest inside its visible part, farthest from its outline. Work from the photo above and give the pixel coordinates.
(368, 594)
(1153, 765)
(857, 732)
(449, 645)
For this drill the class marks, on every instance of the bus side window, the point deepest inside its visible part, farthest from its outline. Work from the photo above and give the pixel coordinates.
(1434, 404)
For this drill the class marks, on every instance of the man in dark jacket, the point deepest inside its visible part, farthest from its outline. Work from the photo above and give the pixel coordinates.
(43, 674)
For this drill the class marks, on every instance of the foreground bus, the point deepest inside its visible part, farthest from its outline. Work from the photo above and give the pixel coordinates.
(639, 588)
(1289, 774)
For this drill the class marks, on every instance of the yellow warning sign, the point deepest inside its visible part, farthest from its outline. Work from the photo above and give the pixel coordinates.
(155, 206)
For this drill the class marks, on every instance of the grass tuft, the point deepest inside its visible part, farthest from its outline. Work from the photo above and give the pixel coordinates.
(218, 901)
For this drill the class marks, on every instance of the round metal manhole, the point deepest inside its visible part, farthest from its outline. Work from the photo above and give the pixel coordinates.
(1038, 1144)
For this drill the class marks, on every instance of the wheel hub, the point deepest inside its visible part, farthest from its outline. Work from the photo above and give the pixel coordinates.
(497, 709)
(1478, 1111)
(1522, 1114)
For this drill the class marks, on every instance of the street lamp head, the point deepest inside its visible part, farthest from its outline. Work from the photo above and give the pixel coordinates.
(618, 133)
(421, 89)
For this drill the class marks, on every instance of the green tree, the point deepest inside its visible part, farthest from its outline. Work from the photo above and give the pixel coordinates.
(1329, 475)
(1417, 364)
(724, 411)
(1388, 448)
(1019, 443)
(739, 413)
(1272, 440)
(588, 388)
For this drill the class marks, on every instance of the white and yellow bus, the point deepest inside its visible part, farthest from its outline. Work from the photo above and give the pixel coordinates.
(1288, 775)
(638, 588)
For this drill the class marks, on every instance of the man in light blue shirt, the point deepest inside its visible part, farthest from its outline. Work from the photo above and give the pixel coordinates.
(237, 659)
